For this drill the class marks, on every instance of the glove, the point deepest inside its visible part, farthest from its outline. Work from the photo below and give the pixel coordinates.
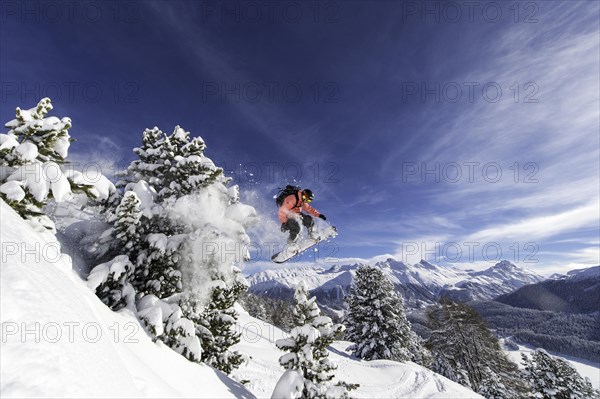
(322, 217)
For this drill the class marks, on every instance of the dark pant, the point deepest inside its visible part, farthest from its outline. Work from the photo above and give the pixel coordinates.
(294, 228)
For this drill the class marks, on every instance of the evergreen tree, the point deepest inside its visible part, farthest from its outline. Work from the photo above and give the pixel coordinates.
(307, 347)
(127, 223)
(218, 334)
(164, 319)
(417, 351)
(173, 165)
(158, 274)
(32, 158)
(49, 135)
(465, 351)
(189, 168)
(554, 378)
(176, 205)
(110, 281)
(158, 270)
(375, 321)
(180, 334)
(273, 311)
(150, 166)
(491, 386)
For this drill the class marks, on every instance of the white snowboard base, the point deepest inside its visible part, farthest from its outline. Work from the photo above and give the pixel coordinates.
(291, 250)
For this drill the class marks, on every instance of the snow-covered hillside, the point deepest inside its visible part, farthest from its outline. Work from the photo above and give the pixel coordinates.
(421, 283)
(60, 340)
(377, 379)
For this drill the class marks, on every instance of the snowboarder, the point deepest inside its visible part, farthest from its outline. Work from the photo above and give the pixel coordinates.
(292, 203)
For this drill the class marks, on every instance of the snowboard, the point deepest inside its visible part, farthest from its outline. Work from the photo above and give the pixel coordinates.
(291, 250)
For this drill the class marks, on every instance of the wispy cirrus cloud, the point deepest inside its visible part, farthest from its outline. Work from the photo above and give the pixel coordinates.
(541, 227)
(556, 61)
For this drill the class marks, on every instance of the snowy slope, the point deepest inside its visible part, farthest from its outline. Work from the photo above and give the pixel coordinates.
(377, 379)
(59, 340)
(420, 283)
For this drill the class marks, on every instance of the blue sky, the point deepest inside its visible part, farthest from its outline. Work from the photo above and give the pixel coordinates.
(448, 131)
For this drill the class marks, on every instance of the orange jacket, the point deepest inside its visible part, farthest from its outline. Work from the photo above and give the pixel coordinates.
(294, 203)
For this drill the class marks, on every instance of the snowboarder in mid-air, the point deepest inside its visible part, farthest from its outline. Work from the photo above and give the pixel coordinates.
(292, 201)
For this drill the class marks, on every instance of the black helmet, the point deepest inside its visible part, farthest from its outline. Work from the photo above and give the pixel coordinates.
(307, 195)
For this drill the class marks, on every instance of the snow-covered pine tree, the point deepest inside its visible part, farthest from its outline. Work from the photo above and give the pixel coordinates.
(375, 321)
(465, 351)
(32, 170)
(219, 332)
(158, 271)
(554, 378)
(173, 165)
(127, 223)
(307, 347)
(307, 312)
(152, 243)
(164, 319)
(184, 207)
(273, 311)
(417, 351)
(150, 166)
(50, 135)
(189, 168)
(110, 281)
(491, 386)
(180, 334)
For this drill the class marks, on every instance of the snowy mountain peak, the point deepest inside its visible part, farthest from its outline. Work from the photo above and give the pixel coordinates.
(510, 272)
(343, 268)
(505, 265)
(427, 265)
(393, 264)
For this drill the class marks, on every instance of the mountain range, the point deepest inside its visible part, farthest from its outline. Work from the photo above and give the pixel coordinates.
(421, 283)
(576, 292)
